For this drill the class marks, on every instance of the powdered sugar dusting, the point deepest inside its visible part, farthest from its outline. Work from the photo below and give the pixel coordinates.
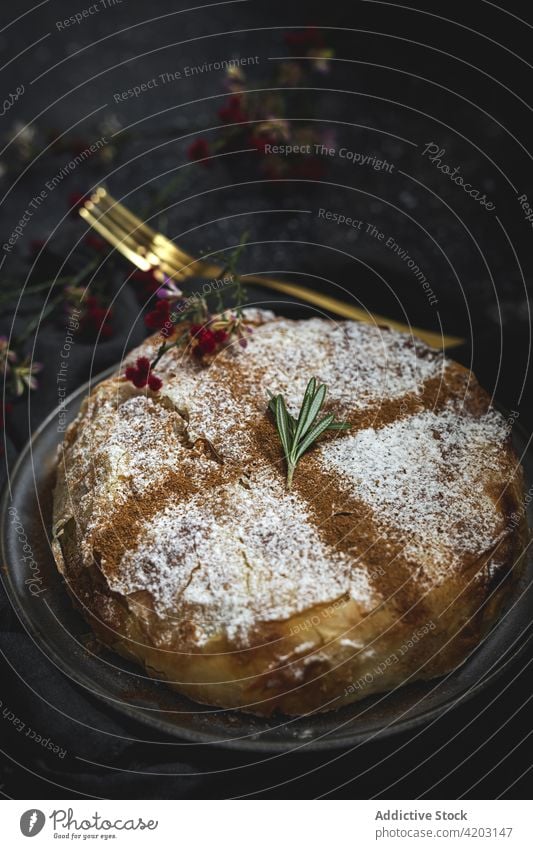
(144, 437)
(359, 363)
(235, 558)
(227, 547)
(126, 445)
(424, 477)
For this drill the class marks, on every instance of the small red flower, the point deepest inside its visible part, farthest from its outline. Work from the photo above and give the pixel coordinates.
(304, 38)
(199, 149)
(232, 113)
(157, 318)
(206, 341)
(96, 319)
(141, 375)
(106, 330)
(209, 338)
(98, 314)
(150, 284)
(154, 382)
(220, 336)
(260, 142)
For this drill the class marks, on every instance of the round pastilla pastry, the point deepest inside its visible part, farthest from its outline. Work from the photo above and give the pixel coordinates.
(384, 564)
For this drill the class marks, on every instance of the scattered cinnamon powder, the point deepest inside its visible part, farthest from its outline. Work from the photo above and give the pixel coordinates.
(181, 496)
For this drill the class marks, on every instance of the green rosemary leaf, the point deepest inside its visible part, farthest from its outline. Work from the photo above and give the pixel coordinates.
(297, 435)
(292, 425)
(339, 426)
(304, 410)
(290, 419)
(314, 409)
(282, 421)
(313, 435)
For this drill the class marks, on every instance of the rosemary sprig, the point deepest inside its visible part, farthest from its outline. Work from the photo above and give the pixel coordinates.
(297, 435)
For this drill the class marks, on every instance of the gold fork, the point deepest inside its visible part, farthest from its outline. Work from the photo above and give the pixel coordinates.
(151, 251)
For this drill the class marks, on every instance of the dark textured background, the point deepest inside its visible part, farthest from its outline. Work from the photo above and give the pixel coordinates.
(411, 77)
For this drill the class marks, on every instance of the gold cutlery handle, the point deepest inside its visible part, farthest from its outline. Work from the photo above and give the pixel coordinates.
(151, 251)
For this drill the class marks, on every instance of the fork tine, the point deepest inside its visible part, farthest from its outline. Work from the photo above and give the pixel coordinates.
(154, 241)
(172, 252)
(103, 200)
(115, 240)
(124, 233)
(143, 235)
(150, 250)
(144, 246)
(119, 211)
(124, 243)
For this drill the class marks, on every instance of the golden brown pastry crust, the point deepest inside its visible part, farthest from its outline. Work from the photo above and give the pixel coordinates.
(392, 558)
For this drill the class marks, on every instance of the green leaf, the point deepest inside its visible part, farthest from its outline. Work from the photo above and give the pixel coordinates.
(314, 409)
(282, 421)
(304, 410)
(339, 426)
(292, 426)
(297, 435)
(313, 435)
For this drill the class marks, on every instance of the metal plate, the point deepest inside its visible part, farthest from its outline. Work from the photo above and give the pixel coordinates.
(46, 611)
